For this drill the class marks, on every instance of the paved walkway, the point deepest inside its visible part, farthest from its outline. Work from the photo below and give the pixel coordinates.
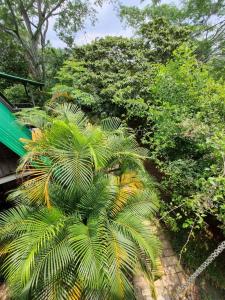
(3, 292)
(173, 276)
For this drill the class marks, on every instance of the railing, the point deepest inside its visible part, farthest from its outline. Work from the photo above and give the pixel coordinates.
(21, 79)
(25, 82)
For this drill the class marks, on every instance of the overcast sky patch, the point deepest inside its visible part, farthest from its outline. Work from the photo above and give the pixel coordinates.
(108, 23)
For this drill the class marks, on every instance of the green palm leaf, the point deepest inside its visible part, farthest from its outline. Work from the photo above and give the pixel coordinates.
(80, 229)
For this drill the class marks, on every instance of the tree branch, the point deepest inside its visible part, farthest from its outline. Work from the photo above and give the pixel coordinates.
(39, 2)
(187, 241)
(54, 9)
(30, 4)
(10, 31)
(25, 18)
(13, 17)
(219, 31)
(45, 30)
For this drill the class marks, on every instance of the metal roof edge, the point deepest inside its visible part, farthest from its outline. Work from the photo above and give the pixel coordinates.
(6, 102)
(20, 79)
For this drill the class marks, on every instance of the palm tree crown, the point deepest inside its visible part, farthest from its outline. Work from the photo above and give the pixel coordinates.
(78, 230)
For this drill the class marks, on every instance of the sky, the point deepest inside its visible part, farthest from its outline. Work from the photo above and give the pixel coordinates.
(108, 23)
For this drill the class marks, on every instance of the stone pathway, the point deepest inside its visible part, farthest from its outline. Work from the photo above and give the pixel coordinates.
(3, 292)
(173, 276)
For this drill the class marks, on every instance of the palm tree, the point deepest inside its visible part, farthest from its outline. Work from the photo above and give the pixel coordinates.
(72, 150)
(79, 228)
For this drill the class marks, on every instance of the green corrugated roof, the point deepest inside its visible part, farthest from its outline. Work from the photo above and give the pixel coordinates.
(11, 132)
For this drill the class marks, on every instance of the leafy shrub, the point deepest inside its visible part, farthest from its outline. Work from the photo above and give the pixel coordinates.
(188, 139)
(16, 94)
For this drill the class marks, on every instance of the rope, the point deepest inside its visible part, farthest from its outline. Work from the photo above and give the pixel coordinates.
(203, 266)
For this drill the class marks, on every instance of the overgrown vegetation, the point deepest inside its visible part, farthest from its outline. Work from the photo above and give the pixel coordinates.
(167, 84)
(177, 109)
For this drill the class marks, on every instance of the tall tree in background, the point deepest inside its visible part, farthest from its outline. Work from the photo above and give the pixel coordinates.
(206, 17)
(27, 21)
(163, 37)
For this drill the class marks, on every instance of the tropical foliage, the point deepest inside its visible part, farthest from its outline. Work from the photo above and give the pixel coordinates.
(188, 134)
(167, 84)
(176, 109)
(80, 227)
(205, 17)
(182, 126)
(112, 76)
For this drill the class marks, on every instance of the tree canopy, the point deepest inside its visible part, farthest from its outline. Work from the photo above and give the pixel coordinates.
(206, 18)
(176, 108)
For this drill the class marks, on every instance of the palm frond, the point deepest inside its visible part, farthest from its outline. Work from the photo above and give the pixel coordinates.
(69, 113)
(82, 230)
(86, 246)
(111, 124)
(34, 117)
(140, 233)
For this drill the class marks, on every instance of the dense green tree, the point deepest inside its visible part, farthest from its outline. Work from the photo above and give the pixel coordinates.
(54, 59)
(17, 96)
(187, 143)
(92, 237)
(135, 17)
(205, 17)
(110, 76)
(12, 61)
(163, 37)
(11, 57)
(113, 75)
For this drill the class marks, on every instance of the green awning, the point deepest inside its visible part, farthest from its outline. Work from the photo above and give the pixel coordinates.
(11, 132)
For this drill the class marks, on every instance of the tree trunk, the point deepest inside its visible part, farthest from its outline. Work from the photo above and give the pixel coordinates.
(33, 57)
